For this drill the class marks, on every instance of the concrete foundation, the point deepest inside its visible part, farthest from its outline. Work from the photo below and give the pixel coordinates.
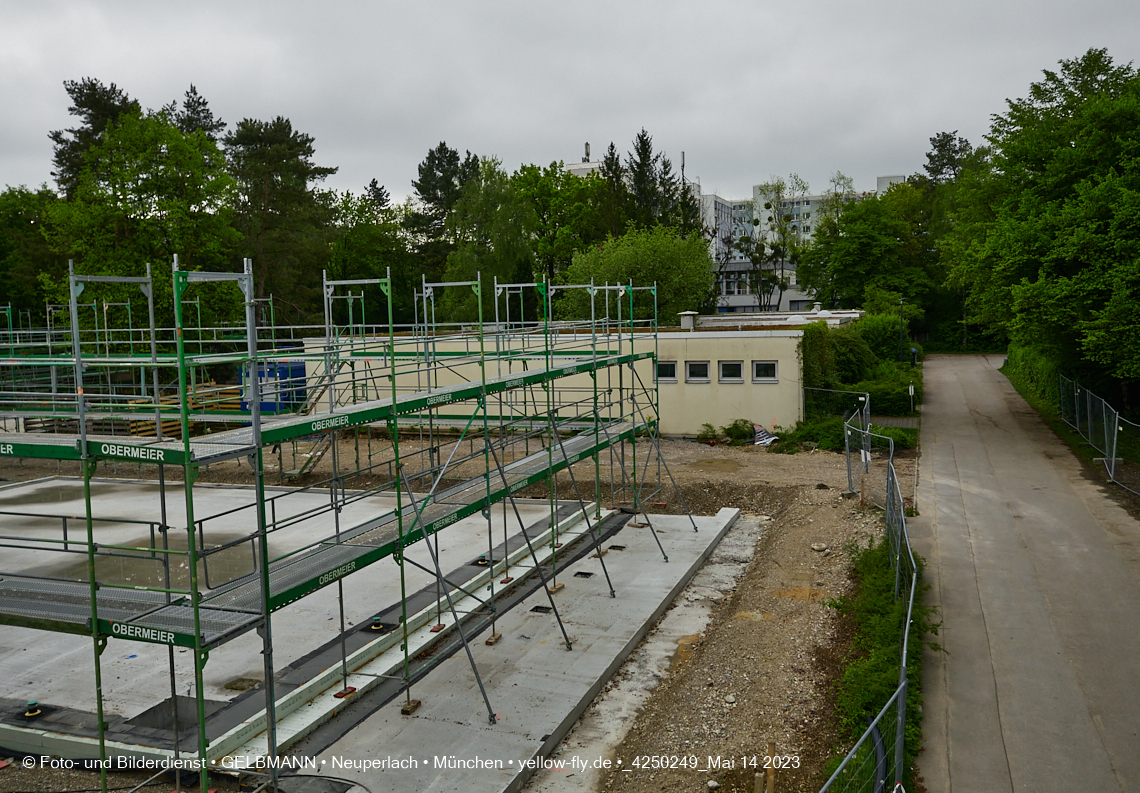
(537, 688)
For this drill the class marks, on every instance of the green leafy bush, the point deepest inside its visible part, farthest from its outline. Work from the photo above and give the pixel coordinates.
(739, 432)
(825, 433)
(903, 438)
(881, 333)
(854, 359)
(707, 433)
(817, 356)
(889, 387)
(872, 674)
(1034, 371)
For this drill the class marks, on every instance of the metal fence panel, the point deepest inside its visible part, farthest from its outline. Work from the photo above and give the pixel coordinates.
(870, 766)
(876, 763)
(1099, 423)
(1067, 401)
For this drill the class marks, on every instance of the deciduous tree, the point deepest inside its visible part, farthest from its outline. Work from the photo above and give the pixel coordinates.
(680, 265)
(146, 191)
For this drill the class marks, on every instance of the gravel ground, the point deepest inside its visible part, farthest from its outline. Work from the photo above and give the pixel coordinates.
(758, 661)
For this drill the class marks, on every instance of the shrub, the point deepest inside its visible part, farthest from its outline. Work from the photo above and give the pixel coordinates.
(817, 356)
(707, 433)
(904, 439)
(1034, 371)
(854, 359)
(881, 333)
(739, 432)
(825, 433)
(872, 673)
(889, 387)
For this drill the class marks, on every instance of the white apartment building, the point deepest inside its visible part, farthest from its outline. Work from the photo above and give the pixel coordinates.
(733, 219)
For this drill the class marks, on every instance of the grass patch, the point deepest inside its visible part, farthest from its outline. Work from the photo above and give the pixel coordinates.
(903, 438)
(1051, 414)
(871, 669)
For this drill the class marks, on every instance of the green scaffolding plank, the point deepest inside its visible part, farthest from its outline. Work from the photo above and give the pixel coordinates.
(367, 557)
(381, 410)
(66, 449)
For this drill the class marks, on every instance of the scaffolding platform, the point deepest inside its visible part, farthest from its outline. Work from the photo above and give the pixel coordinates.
(428, 380)
(233, 609)
(220, 446)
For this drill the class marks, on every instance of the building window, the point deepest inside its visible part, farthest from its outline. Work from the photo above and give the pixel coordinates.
(696, 371)
(764, 372)
(666, 371)
(732, 371)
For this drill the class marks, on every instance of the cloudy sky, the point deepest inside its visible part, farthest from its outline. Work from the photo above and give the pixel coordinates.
(746, 89)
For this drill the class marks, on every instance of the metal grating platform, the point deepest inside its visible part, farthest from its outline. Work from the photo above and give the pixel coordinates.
(233, 609)
(228, 444)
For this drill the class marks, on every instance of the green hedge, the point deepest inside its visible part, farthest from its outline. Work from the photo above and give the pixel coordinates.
(889, 387)
(904, 439)
(1033, 370)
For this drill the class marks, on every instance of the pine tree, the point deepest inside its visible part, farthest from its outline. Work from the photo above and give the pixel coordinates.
(194, 115)
(97, 105)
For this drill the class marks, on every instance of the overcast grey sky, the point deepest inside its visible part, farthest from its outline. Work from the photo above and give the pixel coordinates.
(747, 89)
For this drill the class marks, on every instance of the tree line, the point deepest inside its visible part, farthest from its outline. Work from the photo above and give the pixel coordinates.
(136, 186)
(1030, 239)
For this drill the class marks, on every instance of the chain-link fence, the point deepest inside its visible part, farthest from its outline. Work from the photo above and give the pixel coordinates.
(869, 456)
(823, 402)
(877, 762)
(1099, 423)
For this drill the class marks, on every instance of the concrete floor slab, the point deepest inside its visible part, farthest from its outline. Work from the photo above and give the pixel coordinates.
(536, 687)
(59, 668)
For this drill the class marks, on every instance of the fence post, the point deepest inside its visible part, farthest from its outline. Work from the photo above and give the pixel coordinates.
(1077, 398)
(1111, 435)
(1088, 414)
(900, 728)
(847, 450)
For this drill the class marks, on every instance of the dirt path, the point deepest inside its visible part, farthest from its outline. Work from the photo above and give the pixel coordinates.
(761, 663)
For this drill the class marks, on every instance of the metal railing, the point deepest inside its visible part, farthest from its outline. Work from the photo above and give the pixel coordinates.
(877, 761)
(1099, 423)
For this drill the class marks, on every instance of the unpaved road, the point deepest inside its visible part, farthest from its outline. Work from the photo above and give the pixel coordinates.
(749, 652)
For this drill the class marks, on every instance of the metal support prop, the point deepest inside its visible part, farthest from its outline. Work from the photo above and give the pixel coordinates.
(246, 284)
(394, 428)
(533, 555)
(450, 604)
